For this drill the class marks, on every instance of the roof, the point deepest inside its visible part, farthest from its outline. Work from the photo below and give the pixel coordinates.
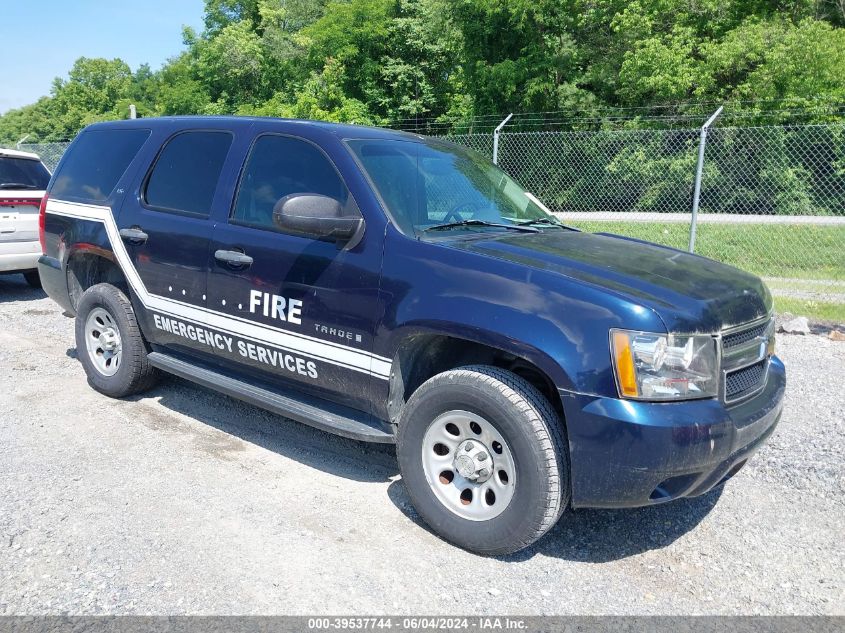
(341, 130)
(15, 153)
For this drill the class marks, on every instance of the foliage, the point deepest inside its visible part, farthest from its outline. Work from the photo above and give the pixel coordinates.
(385, 61)
(771, 170)
(394, 62)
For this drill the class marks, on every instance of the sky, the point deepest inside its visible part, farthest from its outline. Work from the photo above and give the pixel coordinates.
(42, 38)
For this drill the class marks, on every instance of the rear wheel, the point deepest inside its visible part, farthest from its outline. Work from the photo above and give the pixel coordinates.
(32, 278)
(484, 459)
(110, 345)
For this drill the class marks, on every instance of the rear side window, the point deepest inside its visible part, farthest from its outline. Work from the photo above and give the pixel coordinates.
(22, 173)
(185, 175)
(279, 166)
(95, 163)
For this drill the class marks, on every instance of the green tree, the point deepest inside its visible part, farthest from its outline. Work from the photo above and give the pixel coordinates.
(383, 61)
(777, 59)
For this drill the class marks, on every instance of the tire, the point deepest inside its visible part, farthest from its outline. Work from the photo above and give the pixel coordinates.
(533, 446)
(105, 310)
(33, 278)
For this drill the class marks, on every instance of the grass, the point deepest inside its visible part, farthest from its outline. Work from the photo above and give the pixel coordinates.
(801, 258)
(819, 310)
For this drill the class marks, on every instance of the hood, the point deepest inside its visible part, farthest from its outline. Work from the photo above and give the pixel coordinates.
(690, 293)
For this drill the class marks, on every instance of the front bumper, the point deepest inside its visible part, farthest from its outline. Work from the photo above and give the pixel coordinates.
(19, 256)
(626, 454)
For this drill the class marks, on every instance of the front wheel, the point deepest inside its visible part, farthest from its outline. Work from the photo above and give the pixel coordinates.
(484, 458)
(110, 345)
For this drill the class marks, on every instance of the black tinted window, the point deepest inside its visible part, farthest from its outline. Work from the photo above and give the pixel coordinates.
(279, 166)
(185, 175)
(22, 173)
(95, 163)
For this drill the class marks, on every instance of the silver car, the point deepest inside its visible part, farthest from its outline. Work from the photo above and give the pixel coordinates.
(23, 179)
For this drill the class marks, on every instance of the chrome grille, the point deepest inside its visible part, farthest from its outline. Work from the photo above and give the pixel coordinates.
(745, 381)
(744, 360)
(744, 336)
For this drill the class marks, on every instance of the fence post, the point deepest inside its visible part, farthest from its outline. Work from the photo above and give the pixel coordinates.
(20, 142)
(133, 112)
(696, 196)
(496, 138)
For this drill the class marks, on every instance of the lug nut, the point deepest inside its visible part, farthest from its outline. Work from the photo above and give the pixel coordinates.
(482, 456)
(469, 446)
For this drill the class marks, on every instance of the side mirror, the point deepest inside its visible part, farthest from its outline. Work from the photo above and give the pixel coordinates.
(316, 216)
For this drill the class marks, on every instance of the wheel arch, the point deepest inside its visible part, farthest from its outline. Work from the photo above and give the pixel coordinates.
(88, 265)
(423, 353)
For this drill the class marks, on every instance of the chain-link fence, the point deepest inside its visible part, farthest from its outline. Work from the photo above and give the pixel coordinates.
(772, 198)
(50, 153)
(482, 143)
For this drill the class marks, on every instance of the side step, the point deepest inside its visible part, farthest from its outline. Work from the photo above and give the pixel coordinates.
(323, 415)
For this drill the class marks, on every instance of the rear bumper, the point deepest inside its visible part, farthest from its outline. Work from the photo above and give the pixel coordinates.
(19, 256)
(54, 282)
(626, 454)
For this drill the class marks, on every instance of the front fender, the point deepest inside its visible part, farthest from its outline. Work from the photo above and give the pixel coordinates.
(556, 323)
(488, 338)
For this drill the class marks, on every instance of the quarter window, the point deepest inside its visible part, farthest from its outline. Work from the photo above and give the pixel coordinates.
(95, 163)
(277, 167)
(186, 172)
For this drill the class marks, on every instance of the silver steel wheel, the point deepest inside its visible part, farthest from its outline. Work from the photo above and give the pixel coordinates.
(468, 465)
(102, 340)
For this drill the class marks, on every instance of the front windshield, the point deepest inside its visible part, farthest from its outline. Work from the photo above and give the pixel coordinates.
(437, 186)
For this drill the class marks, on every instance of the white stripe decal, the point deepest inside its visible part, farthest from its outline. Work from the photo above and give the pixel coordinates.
(274, 329)
(330, 352)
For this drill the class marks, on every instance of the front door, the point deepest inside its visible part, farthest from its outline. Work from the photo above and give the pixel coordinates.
(166, 230)
(302, 310)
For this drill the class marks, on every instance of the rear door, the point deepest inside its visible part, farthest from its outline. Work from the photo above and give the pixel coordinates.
(301, 311)
(166, 228)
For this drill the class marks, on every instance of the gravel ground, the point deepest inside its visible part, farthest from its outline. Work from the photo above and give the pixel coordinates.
(184, 501)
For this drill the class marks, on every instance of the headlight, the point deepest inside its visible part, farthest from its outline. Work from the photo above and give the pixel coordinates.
(664, 366)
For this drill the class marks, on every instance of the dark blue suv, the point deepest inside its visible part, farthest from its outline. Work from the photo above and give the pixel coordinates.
(394, 288)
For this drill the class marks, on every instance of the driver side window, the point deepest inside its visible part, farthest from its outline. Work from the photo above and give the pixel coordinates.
(278, 166)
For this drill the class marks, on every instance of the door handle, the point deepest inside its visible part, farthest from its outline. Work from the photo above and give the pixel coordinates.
(233, 258)
(134, 235)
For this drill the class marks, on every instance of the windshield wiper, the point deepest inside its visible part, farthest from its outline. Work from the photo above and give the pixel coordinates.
(450, 225)
(545, 222)
(16, 185)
